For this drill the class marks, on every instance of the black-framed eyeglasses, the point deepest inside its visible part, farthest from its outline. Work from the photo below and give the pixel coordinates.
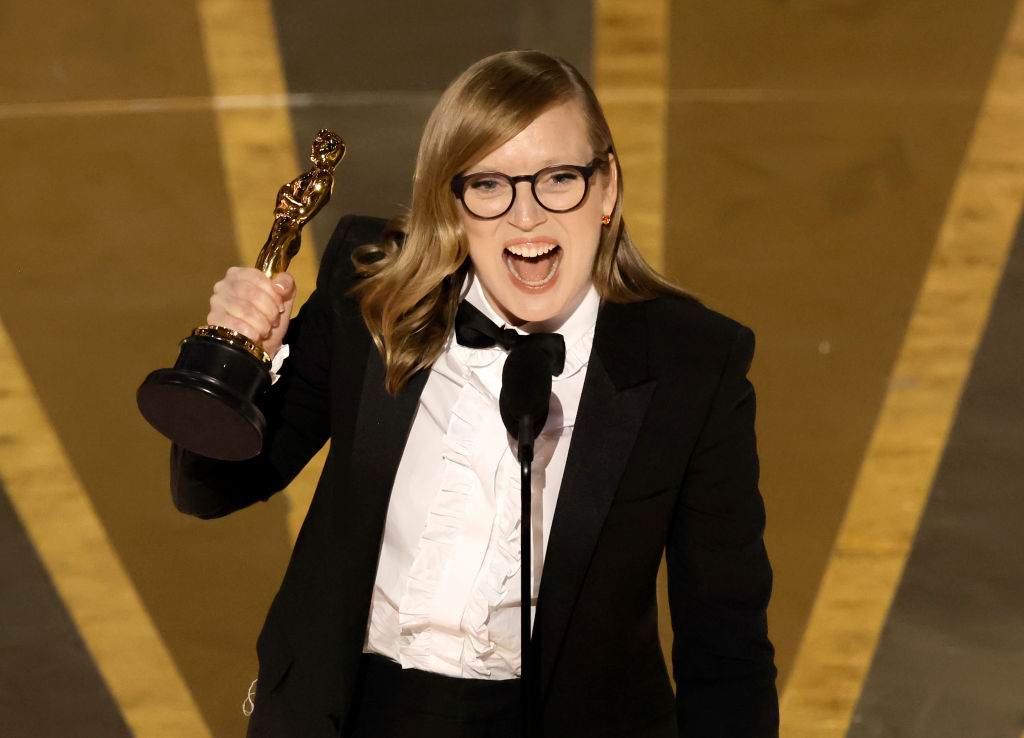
(557, 189)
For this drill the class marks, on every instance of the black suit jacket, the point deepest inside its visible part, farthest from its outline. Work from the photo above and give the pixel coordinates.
(662, 460)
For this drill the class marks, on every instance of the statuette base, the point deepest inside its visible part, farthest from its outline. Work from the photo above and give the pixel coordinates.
(205, 403)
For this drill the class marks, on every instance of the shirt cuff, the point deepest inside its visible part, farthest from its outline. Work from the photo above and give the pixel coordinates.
(277, 362)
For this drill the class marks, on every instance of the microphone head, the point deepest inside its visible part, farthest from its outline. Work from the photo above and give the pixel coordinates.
(525, 388)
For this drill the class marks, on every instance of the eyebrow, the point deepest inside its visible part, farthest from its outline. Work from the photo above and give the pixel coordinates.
(550, 163)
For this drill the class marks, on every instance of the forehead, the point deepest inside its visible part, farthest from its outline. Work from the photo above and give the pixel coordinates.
(557, 136)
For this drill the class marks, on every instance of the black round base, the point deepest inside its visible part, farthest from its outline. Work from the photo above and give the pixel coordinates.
(205, 403)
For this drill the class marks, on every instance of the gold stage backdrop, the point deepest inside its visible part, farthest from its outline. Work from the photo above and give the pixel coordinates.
(846, 177)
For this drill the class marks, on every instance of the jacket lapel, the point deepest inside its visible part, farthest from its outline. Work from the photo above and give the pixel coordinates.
(358, 513)
(616, 393)
(382, 428)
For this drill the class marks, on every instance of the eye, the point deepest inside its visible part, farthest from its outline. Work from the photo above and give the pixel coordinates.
(486, 185)
(558, 178)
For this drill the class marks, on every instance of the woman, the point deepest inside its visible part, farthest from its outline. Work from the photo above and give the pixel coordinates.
(399, 611)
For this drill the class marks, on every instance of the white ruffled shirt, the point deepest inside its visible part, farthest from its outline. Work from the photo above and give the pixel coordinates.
(447, 595)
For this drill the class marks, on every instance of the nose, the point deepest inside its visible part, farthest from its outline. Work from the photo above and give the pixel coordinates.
(526, 213)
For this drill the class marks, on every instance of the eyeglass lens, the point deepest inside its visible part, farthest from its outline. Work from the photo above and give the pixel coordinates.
(490, 194)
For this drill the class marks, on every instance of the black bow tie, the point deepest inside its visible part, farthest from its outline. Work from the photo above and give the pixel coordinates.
(475, 330)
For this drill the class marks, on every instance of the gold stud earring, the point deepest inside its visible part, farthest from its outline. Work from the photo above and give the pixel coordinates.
(606, 219)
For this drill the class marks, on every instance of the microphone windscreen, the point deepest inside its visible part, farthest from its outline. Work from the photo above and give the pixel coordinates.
(525, 388)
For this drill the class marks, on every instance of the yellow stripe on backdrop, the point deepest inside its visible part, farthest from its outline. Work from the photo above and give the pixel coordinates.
(935, 359)
(256, 143)
(70, 539)
(631, 80)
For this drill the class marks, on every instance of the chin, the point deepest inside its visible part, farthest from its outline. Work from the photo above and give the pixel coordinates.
(532, 315)
(536, 308)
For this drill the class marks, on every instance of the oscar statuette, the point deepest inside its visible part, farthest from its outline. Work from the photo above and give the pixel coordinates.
(206, 403)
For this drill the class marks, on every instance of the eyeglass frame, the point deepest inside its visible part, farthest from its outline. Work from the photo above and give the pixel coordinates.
(458, 184)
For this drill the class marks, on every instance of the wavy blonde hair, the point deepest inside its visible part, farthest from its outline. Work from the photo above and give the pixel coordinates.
(411, 280)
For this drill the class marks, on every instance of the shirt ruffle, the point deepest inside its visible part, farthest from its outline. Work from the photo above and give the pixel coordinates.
(450, 631)
(496, 592)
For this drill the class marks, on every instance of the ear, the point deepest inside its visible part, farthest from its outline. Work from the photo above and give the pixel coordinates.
(611, 186)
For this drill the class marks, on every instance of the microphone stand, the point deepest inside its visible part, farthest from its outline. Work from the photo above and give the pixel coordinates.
(523, 403)
(528, 679)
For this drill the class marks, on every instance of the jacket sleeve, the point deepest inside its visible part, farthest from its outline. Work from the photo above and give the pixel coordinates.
(296, 407)
(719, 576)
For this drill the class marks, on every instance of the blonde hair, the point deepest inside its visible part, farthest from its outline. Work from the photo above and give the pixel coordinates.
(411, 280)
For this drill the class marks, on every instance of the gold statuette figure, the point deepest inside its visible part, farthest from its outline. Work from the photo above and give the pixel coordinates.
(298, 201)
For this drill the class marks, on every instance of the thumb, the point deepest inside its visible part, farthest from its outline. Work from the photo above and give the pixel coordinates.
(284, 285)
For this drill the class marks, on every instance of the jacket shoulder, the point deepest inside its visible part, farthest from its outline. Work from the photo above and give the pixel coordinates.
(351, 232)
(676, 312)
(684, 330)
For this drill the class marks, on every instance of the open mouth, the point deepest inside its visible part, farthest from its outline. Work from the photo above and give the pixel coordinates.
(533, 265)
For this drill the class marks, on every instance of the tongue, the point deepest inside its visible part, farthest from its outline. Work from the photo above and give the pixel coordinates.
(533, 269)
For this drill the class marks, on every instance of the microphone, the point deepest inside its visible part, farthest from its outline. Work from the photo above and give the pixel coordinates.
(526, 391)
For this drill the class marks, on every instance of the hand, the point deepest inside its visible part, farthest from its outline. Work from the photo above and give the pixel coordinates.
(257, 307)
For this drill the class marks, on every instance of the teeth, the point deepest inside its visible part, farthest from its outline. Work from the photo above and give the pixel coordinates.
(530, 250)
(539, 283)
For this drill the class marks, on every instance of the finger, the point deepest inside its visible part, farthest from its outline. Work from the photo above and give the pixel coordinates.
(278, 333)
(242, 296)
(288, 291)
(261, 323)
(256, 330)
(241, 315)
(248, 282)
